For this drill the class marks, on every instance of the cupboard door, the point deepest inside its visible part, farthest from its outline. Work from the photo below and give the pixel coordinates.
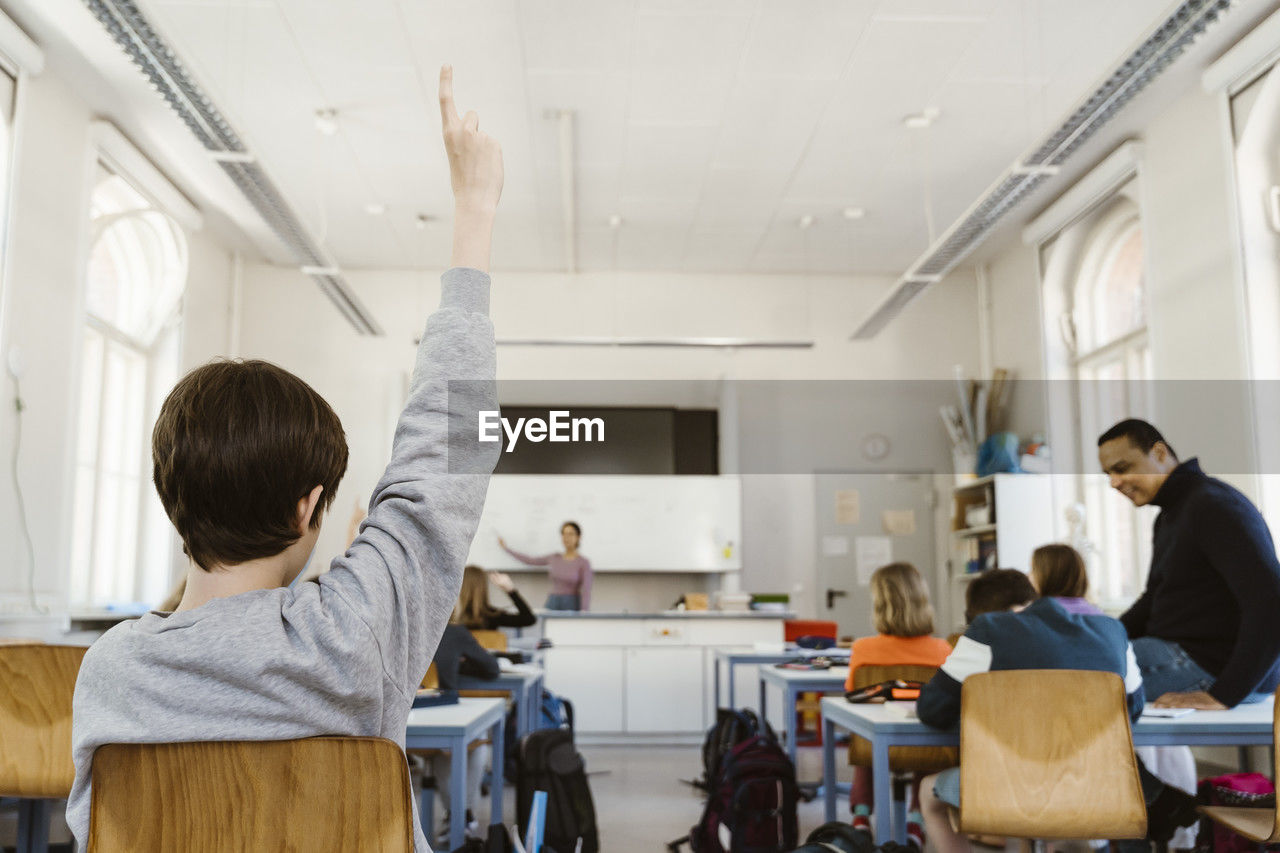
(664, 690)
(592, 679)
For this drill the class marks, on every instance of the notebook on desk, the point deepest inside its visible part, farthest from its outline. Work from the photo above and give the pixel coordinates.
(429, 697)
(1166, 713)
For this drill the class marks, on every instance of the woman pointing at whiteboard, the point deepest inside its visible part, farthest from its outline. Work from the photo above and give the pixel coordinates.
(570, 572)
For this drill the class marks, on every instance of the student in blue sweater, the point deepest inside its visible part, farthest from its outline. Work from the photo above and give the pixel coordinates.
(1060, 630)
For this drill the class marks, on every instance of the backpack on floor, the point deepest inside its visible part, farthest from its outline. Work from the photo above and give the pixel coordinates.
(752, 805)
(1233, 789)
(731, 728)
(554, 711)
(837, 837)
(548, 761)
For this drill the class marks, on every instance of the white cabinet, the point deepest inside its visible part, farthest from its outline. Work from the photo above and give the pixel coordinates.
(592, 679)
(665, 689)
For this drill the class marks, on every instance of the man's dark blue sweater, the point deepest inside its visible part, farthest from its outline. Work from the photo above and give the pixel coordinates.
(1214, 586)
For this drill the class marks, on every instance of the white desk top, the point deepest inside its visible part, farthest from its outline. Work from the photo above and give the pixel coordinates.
(883, 717)
(832, 679)
(467, 716)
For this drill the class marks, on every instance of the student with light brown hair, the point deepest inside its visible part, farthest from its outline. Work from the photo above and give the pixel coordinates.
(1059, 571)
(474, 611)
(903, 617)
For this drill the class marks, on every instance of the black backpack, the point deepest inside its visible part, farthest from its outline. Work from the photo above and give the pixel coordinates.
(836, 837)
(548, 761)
(731, 728)
(752, 800)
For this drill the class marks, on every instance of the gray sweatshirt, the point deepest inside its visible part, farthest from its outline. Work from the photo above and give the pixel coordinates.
(341, 656)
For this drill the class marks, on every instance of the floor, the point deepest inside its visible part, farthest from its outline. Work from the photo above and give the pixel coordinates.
(642, 804)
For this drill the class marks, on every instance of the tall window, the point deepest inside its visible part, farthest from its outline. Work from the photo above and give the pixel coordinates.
(137, 267)
(1112, 366)
(1096, 264)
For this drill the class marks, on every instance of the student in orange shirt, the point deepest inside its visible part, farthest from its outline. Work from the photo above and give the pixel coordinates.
(903, 618)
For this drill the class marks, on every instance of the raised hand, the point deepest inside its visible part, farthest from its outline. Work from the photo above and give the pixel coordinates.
(475, 158)
(502, 581)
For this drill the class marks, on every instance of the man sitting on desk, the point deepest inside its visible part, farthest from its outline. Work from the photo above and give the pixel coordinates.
(1204, 631)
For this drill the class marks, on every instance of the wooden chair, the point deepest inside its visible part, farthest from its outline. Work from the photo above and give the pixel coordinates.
(1261, 825)
(36, 685)
(315, 794)
(494, 641)
(902, 759)
(1038, 746)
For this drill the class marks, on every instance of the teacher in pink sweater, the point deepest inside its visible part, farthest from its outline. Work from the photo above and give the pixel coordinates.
(570, 572)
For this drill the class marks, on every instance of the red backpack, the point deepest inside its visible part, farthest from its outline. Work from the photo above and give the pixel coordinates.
(751, 807)
(1233, 789)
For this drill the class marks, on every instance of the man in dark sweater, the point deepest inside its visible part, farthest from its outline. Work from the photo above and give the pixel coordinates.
(1204, 631)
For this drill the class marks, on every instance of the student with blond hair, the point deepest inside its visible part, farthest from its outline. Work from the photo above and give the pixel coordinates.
(903, 618)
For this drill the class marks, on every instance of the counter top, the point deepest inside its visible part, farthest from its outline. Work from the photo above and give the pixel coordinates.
(667, 614)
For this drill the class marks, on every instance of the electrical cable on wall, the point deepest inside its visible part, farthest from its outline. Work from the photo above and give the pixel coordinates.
(18, 407)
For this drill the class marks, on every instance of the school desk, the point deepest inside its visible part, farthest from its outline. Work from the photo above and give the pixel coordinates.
(793, 682)
(524, 682)
(453, 727)
(888, 725)
(731, 658)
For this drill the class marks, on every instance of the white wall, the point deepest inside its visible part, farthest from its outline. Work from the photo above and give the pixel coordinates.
(1195, 299)
(42, 315)
(288, 321)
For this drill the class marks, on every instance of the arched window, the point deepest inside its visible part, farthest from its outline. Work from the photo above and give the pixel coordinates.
(1112, 366)
(1097, 336)
(136, 270)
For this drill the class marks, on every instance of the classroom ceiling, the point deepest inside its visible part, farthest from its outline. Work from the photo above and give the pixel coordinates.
(711, 128)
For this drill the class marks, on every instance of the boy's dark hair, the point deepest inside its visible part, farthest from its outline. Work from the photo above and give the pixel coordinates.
(1141, 435)
(996, 590)
(236, 446)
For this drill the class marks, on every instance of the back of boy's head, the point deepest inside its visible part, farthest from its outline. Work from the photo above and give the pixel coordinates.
(1059, 570)
(236, 446)
(900, 601)
(996, 590)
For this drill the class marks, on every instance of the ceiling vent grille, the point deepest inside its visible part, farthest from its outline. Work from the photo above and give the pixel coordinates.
(129, 28)
(1152, 57)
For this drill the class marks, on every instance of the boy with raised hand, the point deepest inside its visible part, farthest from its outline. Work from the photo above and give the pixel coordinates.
(246, 459)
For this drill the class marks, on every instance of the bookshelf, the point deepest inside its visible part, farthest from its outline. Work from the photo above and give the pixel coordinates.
(996, 521)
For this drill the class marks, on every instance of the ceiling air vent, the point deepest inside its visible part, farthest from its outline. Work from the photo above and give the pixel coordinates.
(130, 29)
(1152, 57)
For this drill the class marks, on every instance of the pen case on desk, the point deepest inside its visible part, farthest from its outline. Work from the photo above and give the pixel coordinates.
(898, 690)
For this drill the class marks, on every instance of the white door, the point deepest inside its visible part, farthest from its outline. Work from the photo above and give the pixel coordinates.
(888, 514)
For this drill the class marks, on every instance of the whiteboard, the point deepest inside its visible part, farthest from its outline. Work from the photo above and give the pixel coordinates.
(629, 523)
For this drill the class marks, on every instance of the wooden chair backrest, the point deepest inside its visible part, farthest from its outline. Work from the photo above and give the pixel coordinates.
(494, 641)
(432, 679)
(322, 793)
(915, 759)
(36, 685)
(1037, 747)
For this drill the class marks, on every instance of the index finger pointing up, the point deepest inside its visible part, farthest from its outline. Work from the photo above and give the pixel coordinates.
(448, 112)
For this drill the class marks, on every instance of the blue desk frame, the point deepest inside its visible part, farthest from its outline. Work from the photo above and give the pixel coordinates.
(793, 682)
(1246, 725)
(524, 683)
(452, 728)
(732, 659)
